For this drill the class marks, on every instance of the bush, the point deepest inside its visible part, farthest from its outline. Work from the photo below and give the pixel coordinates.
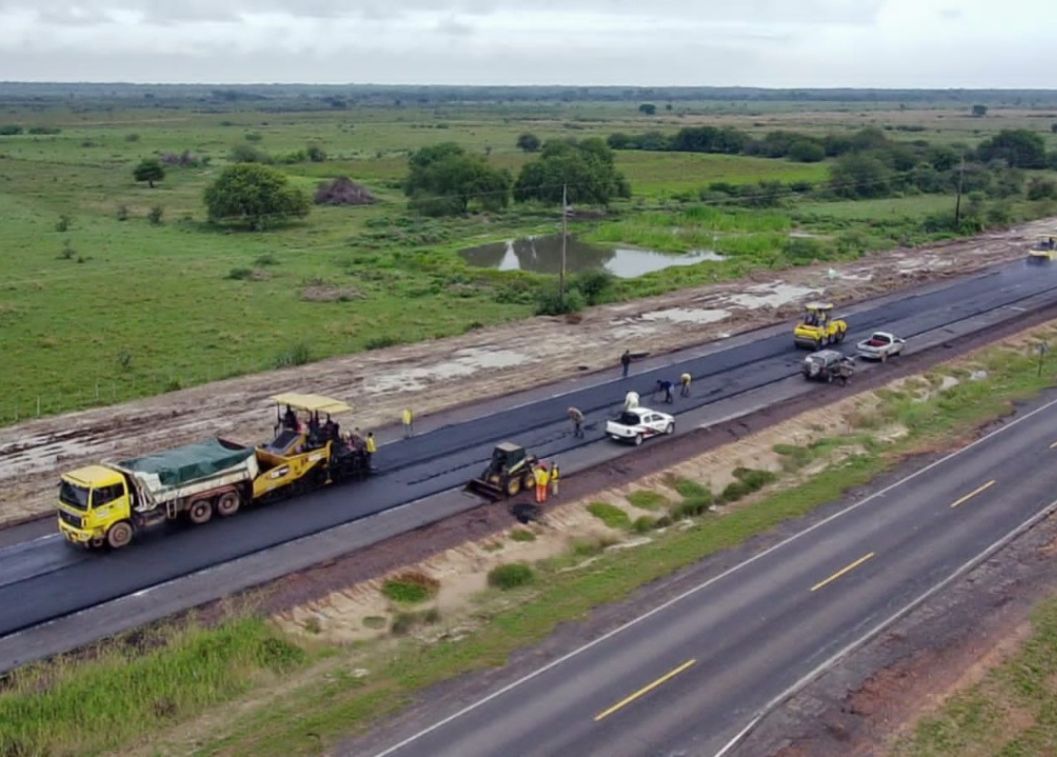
(253, 136)
(647, 499)
(44, 130)
(122, 212)
(609, 514)
(1042, 189)
(10, 130)
(155, 214)
(315, 153)
(381, 342)
(754, 478)
(593, 285)
(248, 154)
(522, 534)
(550, 303)
(240, 274)
(133, 137)
(805, 151)
(692, 507)
(643, 524)
(410, 588)
(510, 576)
(733, 491)
(688, 488)
(63, 224)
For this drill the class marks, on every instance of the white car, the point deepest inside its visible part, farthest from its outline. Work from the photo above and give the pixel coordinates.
(881, 346)
(639, 423)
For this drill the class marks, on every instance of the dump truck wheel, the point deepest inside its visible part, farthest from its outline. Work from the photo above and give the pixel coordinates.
(119, 535)
(228, 504)
(513, 487)
(200, 511)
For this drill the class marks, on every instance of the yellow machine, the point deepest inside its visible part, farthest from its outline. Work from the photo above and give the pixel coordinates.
(104, 505)
(1043, 251)
(818, 328)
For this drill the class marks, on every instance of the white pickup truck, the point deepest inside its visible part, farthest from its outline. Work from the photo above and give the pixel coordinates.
(880, 346)
(639, 423)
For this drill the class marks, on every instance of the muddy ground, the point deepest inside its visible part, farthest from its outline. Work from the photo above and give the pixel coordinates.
(430, 376)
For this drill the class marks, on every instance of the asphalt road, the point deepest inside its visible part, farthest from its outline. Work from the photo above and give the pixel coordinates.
(42, 578)
(685, 678)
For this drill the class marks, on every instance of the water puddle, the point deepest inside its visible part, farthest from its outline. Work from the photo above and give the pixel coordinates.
(543, 254)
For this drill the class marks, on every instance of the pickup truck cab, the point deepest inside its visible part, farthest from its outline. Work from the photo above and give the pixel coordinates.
(880, 346)
(639, 423)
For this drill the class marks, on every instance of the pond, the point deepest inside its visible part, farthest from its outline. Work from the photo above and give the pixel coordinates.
(543, 254)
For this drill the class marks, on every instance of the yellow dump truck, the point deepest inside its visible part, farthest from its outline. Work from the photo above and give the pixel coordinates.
(106, 504)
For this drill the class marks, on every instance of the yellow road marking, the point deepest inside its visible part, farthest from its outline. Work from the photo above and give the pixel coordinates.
(973, 493)
(842, 571)
(644, 690)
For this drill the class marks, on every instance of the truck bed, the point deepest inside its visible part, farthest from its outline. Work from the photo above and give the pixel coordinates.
(182, 471)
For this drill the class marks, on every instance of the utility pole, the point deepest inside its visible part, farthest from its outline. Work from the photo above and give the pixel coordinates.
(561, 273)
(958, 202)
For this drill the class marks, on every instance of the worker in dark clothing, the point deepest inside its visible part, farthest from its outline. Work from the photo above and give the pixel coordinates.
(330, 429)
(665, 386)
(313, 428)
(577, 417)
(290, 419)
(625, 362)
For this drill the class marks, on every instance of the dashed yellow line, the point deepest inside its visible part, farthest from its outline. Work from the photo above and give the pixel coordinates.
(644, 690)
(842, 571)
(973, 493)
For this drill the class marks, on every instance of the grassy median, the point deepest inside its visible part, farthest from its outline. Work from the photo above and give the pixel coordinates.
(116, 700)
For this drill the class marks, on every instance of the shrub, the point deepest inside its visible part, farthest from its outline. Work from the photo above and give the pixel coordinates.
(253, 136)
(688, 488)
(10, 130)
(44, 130)
(248, 154)
(510, 576)
(806, 151)
(380, 342)
(315, 153)
(609, 514)
(522, 534)
(1042, 189)
(691, 507)
(132, 137)
(643, 523)
(647, 499)
(410, 588)
(733, 491)
(63, 224)
(240, 274)
(266, 259)
(155, 214)
(122, 212)
(593, 285)
(754, 478)
(550, 303)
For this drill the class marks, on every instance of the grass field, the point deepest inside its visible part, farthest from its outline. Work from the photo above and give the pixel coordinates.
(307, 696)
(108, 309)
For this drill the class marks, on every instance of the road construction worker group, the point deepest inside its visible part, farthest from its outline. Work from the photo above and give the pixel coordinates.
(547, 479)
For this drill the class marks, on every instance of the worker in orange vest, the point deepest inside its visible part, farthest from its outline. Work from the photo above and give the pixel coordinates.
(542, 479)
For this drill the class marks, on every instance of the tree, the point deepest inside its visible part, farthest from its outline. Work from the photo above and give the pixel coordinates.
(858, 175)
(444, 180)
(979, 111)
(586, 168)
(253, 194)
(1020, 148)
(149, 170)
(648, 109)
(528, 142)
(806, 151)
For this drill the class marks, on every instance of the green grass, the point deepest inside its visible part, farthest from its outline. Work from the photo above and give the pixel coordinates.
(410, 588)
(522, 535)
(647, 499)
(510, 576)
(609, 514)
(43, 708)
(1010, 712)
(107, 310)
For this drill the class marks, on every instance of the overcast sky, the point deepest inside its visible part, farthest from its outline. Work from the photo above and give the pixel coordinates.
(775, 43)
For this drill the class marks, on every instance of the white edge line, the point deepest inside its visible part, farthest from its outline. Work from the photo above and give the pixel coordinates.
(693, 590)
(852, 646)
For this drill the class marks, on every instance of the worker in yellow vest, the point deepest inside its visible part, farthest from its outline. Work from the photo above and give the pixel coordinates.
(542, 479)
(555, 474)
(409, 423)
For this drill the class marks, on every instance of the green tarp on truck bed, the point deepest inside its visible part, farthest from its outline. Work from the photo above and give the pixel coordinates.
(178, 466)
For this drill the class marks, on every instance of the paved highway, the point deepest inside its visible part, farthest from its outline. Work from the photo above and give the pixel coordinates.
(687, 677)
(42, 579)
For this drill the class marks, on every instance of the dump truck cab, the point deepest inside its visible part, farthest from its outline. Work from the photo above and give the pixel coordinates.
(91, 500)
(818, 328)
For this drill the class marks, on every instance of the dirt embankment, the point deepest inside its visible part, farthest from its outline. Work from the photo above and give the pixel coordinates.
(430, 376)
